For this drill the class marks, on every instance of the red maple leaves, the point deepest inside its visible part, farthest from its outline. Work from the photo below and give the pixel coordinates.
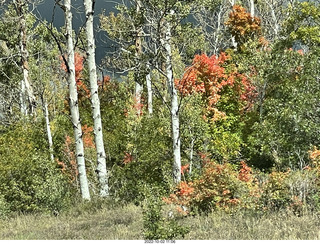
(81, 86)
(208, 76)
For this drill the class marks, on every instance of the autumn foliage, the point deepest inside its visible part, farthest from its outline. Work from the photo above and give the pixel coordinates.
(68, 164)
(83, 91)
(218, 187)
(209, 76)
(242, 25)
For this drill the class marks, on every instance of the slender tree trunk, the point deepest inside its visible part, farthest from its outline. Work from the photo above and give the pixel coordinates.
(174, 103)
(139, 87)
(149, 89)
(49, 135)
(274, 18)
(101, 155)
(25, 55)
(74, 105)
(138, 95)
(191, 156)
(23, 102)
(233, 39)
(252, 13)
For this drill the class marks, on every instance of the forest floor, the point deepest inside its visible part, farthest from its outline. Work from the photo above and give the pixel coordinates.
(126, 223)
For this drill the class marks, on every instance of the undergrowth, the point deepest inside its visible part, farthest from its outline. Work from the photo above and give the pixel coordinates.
(107, 220)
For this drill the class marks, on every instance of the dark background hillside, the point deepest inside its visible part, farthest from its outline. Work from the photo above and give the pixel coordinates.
(103, 44)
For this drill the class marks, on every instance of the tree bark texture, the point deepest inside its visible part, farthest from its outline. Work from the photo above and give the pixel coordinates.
(74, 105)
(149, 89)
(24, 57)
(138, 52)
(166, 41)
(95, 101)
(49, 135)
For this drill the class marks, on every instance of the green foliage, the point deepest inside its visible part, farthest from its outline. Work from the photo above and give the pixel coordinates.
(4, 207)
(158, 227)
(259, 102)
(144, 160)
(303, 23)
(296, 191)
(29, 180)
(286, 128)
(136, 146)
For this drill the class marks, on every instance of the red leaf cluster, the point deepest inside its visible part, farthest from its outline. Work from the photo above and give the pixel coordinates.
(206, 75)
(209, 75)
(88, 140)
(81, 86)
(245, 173)
(69, 165)
(128, 158)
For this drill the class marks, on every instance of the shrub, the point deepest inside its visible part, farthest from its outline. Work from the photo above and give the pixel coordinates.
(276, 193)
(29, 180)
(4, 207)
(220, 187)
(158, 227)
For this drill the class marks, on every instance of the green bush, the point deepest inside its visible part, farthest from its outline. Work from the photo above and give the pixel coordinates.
(158, 227)
(4, 207)
(29, 180)
(288, 115)
(137, 147)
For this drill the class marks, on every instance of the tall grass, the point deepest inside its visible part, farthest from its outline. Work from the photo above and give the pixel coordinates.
(105, 221)
(251, 226)
(84, 222)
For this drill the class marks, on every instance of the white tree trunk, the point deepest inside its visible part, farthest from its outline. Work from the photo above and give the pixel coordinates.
(49, 135)
(138, 94)
(274, 18)
(191, 155)
(74, 108)
(25, 56)
(139, 87)
(95, 101)
(233, 39)
(149, 89)
(166, 41)
(252, 13)
(23, 102)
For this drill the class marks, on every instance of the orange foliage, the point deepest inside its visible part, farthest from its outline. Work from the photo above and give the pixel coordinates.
(69, 168)
(83, 90)
(245, 173)
(314, 154)
(214, 189)
(87, 136)
(208, 76)
(185, 168)
(128, 158)
(103, 85)
(185, 189)
(242, 25)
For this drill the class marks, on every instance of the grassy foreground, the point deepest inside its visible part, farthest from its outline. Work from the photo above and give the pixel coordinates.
(126, 223)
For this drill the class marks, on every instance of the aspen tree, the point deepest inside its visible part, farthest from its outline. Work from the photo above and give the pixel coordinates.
(95, 101)
(74, 105)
